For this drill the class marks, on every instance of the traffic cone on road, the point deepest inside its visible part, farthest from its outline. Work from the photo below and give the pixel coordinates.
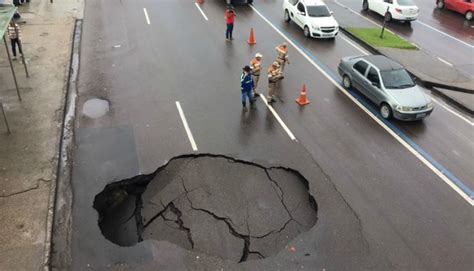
(251, 38)
(301, 100)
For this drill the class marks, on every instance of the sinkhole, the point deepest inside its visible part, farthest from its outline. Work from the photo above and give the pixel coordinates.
(211, 204)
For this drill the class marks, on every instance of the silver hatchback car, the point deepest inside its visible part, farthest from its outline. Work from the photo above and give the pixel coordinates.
(387, 84)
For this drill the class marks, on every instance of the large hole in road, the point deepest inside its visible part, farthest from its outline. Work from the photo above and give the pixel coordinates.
(211, 204)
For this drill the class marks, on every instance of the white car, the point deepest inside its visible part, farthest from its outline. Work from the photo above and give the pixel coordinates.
(313, 16)
(400, 10)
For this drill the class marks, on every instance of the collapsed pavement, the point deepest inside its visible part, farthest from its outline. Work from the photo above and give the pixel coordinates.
(216, 205)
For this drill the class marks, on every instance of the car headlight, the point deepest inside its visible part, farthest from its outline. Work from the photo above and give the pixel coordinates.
(315, 27)
(403, 108)
(429, 105)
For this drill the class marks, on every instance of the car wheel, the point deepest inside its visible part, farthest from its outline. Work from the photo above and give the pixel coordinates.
(365, 5)
(440, 4)
(287, 16)
(468, 15)
(346, 82)
(306, 32)
(385, 111)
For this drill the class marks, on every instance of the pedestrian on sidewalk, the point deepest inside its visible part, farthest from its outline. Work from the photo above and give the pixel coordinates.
(229, 17)
(274, 75)
(246, 86)
(14, 34)
(282, 55)
(256, 66)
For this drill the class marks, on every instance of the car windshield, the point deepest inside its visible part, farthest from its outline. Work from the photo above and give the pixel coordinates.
(318, 11)
(405, 3)
(398, 79)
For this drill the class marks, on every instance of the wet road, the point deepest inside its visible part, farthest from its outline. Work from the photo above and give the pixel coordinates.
(442, 33)
(405, 211)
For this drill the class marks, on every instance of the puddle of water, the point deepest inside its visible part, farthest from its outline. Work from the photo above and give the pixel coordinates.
(95, 108)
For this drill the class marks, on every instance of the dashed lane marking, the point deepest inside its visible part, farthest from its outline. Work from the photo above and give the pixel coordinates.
(202, 12)
(460, 188)
(275, 114)
(435, 100)
(146, 16)
(186, 126)
(445, 34)
(445, 62)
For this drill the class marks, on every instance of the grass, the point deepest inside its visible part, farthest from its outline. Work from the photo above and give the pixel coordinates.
(372, 37)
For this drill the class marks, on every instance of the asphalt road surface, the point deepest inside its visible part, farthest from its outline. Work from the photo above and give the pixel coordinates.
(443, 33)
(172, 83)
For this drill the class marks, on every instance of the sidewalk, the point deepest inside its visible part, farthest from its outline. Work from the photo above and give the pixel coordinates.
(29, 155)
(429, 71)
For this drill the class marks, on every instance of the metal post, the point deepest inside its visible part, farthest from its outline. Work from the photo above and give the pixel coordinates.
(21, 50)
(5, 118)
(385, 20)
(11, 66)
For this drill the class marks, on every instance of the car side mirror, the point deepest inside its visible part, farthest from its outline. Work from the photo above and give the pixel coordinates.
(303, 13)
(332, 12)
(375, 84)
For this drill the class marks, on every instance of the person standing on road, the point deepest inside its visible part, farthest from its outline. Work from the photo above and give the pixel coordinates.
(274, 75)
(229, 17)
(246, 86)
(14, 34)
(282, 55)
(256, 66)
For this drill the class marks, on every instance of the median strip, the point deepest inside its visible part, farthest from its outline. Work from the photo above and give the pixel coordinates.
(371, 36)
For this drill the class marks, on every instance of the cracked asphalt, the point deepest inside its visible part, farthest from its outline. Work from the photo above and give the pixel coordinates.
(212, 204)
(379, 207)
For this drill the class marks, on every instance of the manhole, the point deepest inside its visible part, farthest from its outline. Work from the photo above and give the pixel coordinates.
(211, 204)
(95, 108)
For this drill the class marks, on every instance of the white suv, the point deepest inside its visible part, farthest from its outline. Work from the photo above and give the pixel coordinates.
(400, 10)
(313, 16)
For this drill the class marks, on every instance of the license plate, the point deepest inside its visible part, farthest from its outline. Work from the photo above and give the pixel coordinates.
(327, 35)
(410, 18)
(421, 115)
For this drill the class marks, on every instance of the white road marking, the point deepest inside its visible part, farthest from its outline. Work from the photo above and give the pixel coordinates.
(445, 34)
(146, 16)
(287, 130)
(358, 13)
(362, 50)
(186, 126)
(452, 111)
(416, 21)
(202, 12)
(445, 62)
(377, 120)
(435, 100)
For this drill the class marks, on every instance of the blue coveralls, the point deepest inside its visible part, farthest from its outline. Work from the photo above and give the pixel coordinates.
(246, 86)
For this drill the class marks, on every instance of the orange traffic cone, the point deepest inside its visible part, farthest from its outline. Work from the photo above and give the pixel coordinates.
(301, 100)
(251, 37)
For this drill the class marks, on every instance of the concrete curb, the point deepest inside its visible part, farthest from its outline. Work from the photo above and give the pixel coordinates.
(425, 83)
(453, 101)
(59, 254)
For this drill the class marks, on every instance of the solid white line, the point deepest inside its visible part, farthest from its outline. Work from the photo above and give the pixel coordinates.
(186, 126)
(447, 35)
(287, 130)
(440, 59)
(355, 45)
(445, 62)
(452, 111)
(382, 124)
(146, 16)
(202, 12)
